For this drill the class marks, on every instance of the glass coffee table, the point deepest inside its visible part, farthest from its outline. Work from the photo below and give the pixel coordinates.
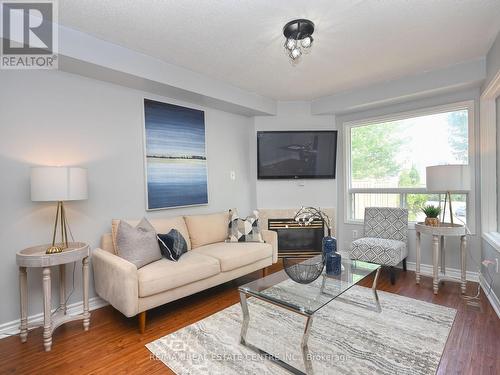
(280, 290)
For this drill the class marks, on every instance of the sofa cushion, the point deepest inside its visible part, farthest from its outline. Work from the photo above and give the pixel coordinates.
(207, 229)
(137, 244)
(234, 255)
(379, 250)
(163, 225)
(164, 274)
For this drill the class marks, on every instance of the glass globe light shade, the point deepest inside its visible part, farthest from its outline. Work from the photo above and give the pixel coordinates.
(306, 42)
(295, 53)
(290, 44)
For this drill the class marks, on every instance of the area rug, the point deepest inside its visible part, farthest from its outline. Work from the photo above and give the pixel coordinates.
(407, 337)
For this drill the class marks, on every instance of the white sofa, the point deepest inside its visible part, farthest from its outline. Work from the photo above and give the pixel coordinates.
(209, 261)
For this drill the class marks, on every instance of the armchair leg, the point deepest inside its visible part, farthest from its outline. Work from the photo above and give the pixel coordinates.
(392, 274)
(265, 272)
(142, 321)
(404, 264)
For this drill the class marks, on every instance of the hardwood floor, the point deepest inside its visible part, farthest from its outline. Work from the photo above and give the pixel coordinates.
(113, 345)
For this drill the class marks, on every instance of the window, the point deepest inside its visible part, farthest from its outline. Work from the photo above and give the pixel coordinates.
(386, 159)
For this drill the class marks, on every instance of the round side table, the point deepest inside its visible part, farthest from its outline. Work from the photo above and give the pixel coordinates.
(36, 257)
(438, 251)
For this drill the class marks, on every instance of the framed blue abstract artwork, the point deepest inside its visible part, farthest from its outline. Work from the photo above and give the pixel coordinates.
(175, 156)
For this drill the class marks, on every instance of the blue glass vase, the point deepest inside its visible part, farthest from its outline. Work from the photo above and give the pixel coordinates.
(329, 245)
(333, 264)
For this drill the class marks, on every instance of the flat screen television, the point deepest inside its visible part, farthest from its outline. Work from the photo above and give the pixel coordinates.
(296, 154)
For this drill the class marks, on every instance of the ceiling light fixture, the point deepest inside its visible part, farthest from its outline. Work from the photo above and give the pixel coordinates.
(299, 40)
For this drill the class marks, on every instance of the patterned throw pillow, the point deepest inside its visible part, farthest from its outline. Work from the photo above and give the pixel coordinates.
(244, 230)
(172, 245)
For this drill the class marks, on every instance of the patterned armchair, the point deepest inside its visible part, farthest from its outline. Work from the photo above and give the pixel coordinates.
(386, 238)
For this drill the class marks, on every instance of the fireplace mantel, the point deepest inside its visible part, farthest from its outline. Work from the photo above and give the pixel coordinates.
(279, 213)
(292, 241)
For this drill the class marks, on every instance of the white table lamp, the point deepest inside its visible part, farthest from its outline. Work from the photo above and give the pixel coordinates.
(448, 178)
(58, 184)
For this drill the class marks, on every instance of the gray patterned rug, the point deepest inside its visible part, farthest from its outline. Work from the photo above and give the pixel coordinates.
(407, 337)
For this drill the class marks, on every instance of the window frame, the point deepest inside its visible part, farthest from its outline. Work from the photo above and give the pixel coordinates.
(489, 148)
(468, 105)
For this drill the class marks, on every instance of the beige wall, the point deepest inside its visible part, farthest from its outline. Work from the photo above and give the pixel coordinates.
(492, 61)
(55, 118)
(292, 193)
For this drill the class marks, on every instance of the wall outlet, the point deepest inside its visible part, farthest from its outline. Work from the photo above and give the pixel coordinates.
(490, 262)
(354, 234)
(232, 175)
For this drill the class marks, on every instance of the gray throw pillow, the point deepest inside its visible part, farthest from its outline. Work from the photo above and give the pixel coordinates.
(137, 245)
(145, 225)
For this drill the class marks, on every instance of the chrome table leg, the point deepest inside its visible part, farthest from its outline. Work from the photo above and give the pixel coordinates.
(246, 318)
(304, 342)
(323, 284)
(305, 348)
(374, 290)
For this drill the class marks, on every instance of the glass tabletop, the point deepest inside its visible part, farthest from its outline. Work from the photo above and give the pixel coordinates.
(307, 298)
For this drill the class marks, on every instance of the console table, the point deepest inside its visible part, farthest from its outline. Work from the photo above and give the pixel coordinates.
(438, 251)
(36, 257)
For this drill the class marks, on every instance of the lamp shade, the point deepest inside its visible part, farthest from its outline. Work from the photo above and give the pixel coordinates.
(58, 184)
(444, 178)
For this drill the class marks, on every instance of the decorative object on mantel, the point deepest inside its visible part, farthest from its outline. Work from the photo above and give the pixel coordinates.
(448, 178)
(303, 272)
(58, 184)
(298, 34)
(37, 257)
(431, 215)
(306, 215)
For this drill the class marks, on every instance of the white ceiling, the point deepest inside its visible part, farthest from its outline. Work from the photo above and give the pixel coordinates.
(357, 42)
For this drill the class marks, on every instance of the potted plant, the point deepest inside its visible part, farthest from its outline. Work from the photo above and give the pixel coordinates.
(432, 214)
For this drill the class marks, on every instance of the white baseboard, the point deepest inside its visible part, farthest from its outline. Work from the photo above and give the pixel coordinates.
(427, 270)
(492, 297)
(12, 328)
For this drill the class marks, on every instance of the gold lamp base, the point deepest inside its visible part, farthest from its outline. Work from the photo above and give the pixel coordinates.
(61, 218)
(447, 196)
(54, 250)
